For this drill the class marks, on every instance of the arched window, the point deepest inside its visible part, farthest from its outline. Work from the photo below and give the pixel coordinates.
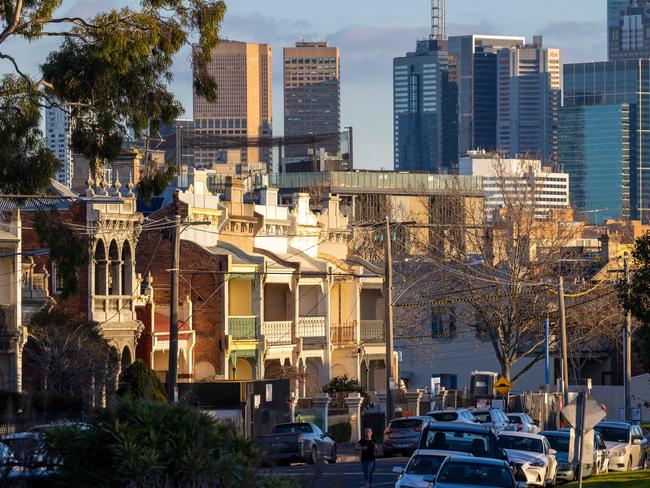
(127, 269)
(126, 359)
(114, 281)
(100, 268)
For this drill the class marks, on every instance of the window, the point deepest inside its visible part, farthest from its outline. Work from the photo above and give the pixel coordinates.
(475, 474)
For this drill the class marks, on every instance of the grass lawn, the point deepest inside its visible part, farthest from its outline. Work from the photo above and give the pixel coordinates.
(632, 479)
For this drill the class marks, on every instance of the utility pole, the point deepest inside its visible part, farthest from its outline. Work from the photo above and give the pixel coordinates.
(565, 360)
(388, 321)
(628, 348)
(172, 374)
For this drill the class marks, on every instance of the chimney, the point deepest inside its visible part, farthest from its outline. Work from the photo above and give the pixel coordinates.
(269, 197)
(234, 190)
(609, 244)
(301, 203)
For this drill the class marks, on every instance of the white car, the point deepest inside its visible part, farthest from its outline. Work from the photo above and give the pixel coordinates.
(523, 423)
(423, 462)
(469, 472)
(627, 446)
(532, 455)
(495, 418)
(453, 415)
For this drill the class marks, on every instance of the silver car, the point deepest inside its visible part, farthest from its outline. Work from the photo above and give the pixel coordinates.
(423, 463)
(626, 444)
(402, 435)
(468, 472)
(523, 423)
(495, 418)
(455, 415)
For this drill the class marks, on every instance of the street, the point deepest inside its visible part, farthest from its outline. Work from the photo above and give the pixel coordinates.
(340, 475)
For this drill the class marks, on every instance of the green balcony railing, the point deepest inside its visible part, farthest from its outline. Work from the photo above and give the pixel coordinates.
(242, 328)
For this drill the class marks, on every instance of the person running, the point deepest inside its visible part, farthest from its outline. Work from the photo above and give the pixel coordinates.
(368, 448)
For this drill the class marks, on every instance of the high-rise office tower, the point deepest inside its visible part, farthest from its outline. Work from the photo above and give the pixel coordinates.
(595, 148)
(612, 84)
(312, 95)
(473, 69)
(57, 127)
(424, 120)
(529, 84)
(628, 29)
(243, 108)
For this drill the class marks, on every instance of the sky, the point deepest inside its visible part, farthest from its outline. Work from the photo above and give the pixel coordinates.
(370, 33)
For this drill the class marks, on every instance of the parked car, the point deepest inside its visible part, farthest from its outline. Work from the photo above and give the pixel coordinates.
(561, 440)
(495, 417)
(602, 461)
(473, 439)
(626, 443)
(422, 463)
(532, 455)
(453, 415)
(523, 423)
(402, 435)
(468, 472)
(298, 442)
(25, 458)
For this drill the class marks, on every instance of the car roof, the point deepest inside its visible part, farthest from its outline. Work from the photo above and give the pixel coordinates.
(518, 414)
(521, 434)
(447, 410)
(614, 423)
(434, 453)
(460, 427)
(413, 417)
(556, 433)
(474, 460)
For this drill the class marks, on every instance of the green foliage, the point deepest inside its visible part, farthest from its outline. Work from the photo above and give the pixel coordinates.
(67, 250)
(278, 482)
(155, 183)
(636, 298)
(339, 387)
(138, 381)
(145, 444)
(26, 165)
(341, 432)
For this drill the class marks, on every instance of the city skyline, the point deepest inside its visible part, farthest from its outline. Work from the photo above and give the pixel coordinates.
(369, 37)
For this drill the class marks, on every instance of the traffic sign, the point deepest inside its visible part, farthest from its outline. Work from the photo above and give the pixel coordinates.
(502, 386)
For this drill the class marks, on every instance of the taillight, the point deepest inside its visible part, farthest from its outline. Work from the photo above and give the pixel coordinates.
(388, 432)
(301, 439)
(520, 427)
(417, 429)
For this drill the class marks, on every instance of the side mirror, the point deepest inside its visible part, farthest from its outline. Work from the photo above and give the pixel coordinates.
(429, 478)
(552, 452)
(636, 442)
(398, 470)
(503, 454)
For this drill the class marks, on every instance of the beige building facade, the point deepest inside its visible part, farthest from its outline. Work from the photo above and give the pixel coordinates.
(243, 72)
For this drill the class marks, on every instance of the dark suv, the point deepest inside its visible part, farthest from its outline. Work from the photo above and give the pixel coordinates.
(477, 440)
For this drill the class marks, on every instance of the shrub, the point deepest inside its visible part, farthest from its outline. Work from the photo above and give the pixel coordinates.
(142, 444)
(339, 388)
(138, 381)
(278, 482)
(341, 432)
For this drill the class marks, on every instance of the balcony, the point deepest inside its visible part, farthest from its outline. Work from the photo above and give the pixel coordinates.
(344, 334)
(277, 333)
(311, 327)
(242, 328)
(372, 332)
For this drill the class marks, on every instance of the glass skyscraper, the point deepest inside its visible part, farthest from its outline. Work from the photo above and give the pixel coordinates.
(614, 8)
(616, 83)
(423, 118)
(595, 148)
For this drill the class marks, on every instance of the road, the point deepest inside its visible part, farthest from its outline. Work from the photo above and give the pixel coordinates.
(340, 475)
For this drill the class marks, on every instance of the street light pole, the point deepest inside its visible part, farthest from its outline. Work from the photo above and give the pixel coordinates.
(563, 335)
(388, 320)
(628, 348)
(172, 374)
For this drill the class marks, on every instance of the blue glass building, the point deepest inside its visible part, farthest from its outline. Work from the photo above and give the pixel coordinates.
(617, 83)
(595, 149)
(424, 120)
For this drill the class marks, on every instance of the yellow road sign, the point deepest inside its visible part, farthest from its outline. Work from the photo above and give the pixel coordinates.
(502, 386)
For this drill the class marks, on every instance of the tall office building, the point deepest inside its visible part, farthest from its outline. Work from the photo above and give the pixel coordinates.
(628, 29)
(312, 95)
(595, 148)
(615, 83)
(57, 127)
(423, 121)
(243, 108)
(529, 84)
(473, 70)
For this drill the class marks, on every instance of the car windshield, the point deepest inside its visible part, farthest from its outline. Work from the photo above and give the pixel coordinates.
(445, 416)
(483, 417)
(477, 444)
(558, 442)
(520, 443)
(475, 474)
(613, 434)
(24, 448)
(292, 429)
(424, 465)
(405, 424)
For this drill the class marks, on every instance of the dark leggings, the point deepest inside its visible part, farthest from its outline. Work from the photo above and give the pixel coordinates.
(368, 467)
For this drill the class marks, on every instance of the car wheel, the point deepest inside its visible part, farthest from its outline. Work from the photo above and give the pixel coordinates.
(313, 456)
(334, 456)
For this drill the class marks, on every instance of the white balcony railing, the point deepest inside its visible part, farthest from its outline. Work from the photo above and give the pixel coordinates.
(311, 327)
(277, 333)
(372, 332)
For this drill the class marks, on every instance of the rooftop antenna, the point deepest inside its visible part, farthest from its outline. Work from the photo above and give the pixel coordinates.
(438, 22)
